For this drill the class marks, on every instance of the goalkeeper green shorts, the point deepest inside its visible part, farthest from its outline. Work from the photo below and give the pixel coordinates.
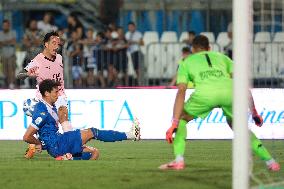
(201, 103)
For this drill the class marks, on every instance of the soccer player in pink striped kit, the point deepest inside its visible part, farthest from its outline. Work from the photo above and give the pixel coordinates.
(48, 65)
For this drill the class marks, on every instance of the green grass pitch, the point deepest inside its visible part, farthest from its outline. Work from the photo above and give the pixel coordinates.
(128, 165)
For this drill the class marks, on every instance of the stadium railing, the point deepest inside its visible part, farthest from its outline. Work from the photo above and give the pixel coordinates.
(159, 62)
(267, 67)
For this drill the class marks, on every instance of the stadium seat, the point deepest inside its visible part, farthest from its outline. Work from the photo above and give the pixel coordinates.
(169, 36)
(20, 56)
(210, 36)
(264, 37)
(149, 37)
(153, 63)
(278, 37)
(278, 57)
(264, 66)
(183, 36)
(171, 53)
(215, 47)
(162, 60)
(223, 40)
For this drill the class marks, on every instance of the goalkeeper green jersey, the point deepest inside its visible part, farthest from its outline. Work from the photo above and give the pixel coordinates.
(207, 70)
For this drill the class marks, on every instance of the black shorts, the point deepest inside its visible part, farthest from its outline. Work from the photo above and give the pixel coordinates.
(100, 60)
(136, 59)
(121, 60)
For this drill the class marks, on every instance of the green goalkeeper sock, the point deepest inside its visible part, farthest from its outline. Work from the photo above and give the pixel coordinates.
(180, 137)
(259, 149)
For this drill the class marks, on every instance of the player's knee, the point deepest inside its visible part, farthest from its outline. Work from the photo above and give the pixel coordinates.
(186, 117)
(25, 138)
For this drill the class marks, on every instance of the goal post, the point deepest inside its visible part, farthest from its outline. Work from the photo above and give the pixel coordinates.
(242, 40)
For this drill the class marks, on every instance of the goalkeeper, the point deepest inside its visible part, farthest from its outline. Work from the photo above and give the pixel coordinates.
(211, 74)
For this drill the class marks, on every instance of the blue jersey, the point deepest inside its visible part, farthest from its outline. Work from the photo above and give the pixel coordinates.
(45, 120)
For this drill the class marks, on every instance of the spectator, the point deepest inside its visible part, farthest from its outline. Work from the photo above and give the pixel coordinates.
(32, 43)
(188, 41)
(75, 56)
(134, 39)
(45, 25)
(88, 48)
(112, 26)
(63, 39)
(228, 49)
(99, 58)
(75, 25)
(110, 37)
(120, 48)
(8, 53)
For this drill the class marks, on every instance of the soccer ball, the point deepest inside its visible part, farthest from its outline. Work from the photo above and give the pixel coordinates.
(28, 106)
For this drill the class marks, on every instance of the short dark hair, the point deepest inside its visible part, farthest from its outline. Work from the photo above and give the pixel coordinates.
(185, 50)
(5, 21)
(131, 23)
(101, 34)
(200, 41)
(49, 35)
(191, 32)
(47, 85)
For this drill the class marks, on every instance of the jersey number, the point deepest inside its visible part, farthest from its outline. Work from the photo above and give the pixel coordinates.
(57, 77)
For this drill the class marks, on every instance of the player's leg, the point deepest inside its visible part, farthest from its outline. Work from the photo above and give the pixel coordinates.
(61, 105)
(180, 137)
(89, 153)
(257, 147)
(109, 135)
(179, 147)
(192, 108)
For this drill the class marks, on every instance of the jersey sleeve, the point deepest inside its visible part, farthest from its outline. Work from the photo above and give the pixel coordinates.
(39, 117)
(182, 74)
(32, 68)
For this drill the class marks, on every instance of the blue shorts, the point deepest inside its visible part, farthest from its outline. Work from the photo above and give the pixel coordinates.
(69, 142)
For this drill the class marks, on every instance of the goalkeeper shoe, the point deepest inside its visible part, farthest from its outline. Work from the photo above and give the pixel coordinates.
(67, 156)
(30, 152)
(173, 166)
(274, 167)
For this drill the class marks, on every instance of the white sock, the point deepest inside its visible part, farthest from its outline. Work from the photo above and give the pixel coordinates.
(129, 135)
(269, 162)
(179, 158)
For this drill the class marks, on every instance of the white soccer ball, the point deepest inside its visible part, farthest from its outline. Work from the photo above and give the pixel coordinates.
(28, 106)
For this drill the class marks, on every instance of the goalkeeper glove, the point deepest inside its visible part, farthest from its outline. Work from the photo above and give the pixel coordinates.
(257, 118)
(171, 131)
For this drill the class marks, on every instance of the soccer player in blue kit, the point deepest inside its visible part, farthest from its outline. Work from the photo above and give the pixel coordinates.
(70, 144)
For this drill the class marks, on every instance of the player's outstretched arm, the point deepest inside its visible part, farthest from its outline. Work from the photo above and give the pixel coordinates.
(177, 112)
(255, 116)
(29, 136)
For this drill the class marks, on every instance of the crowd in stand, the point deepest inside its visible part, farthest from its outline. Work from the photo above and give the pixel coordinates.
(96, 59)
